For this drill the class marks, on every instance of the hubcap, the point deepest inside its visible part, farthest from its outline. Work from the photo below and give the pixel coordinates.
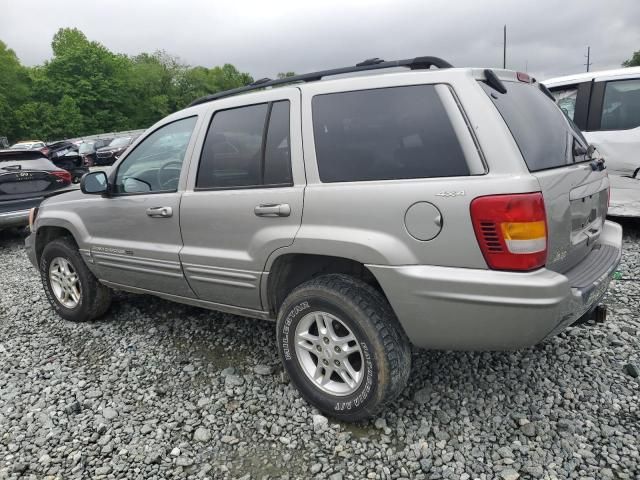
(329, 353)
(64, 282)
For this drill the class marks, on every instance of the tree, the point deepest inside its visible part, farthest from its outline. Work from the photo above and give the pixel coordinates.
(634, 61)
(14, 90)
(86, 89)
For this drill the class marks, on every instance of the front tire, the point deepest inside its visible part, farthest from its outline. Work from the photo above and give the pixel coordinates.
(343, 347)
(71, 288)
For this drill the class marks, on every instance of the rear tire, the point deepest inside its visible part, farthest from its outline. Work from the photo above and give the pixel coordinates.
(71, 288)
(343, 347)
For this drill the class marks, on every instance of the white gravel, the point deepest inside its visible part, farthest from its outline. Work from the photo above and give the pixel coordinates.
(158, 390)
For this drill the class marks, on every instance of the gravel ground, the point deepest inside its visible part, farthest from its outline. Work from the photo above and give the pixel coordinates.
(158, 390)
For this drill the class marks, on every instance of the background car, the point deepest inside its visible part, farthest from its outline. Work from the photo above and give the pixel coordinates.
(26, 178)
(65, 154)
(109, 154)
(31, 145)
(606, 107)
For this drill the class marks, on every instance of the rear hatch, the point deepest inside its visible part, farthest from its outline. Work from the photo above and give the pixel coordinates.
(26, 178)
(574, 185)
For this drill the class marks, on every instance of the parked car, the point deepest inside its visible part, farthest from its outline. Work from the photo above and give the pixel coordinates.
(87, 150)
(109, 154)
(31, 145)
(26, 178)
(65, 154)
(448, 208)
(606, 107)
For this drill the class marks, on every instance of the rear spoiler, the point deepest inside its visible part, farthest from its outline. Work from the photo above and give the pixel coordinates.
(16, 155)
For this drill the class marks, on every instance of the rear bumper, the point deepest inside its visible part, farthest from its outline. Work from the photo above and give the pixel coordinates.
(470, 309)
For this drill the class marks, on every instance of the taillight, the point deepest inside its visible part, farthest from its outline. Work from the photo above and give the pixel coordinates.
(511, 230)
(63, 174)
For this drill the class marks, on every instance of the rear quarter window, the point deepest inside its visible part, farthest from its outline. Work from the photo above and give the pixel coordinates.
(539, 127)
(385, 134)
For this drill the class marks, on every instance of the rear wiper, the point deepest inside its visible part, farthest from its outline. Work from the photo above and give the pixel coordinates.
(13, 167)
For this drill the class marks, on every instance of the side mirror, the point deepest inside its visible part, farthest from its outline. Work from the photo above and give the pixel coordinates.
(94, 183)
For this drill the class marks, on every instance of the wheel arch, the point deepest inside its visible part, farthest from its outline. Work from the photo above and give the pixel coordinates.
(290, 270)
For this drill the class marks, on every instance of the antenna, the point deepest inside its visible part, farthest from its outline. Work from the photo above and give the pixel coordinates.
(588, 56)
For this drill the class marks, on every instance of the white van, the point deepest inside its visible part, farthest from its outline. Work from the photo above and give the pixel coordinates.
(606, 107)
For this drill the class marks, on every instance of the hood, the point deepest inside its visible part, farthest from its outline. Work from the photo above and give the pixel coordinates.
(72, 193)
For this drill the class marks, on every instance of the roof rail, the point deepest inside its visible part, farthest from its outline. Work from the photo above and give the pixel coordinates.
(418, 63)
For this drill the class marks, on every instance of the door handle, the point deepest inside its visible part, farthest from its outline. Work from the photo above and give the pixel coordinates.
(273, 210)
(160, 212)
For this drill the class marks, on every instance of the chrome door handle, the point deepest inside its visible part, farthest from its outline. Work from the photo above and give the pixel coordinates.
(273, 210)
(160, 212)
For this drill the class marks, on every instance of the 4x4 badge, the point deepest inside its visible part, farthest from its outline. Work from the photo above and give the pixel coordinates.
(451, 194)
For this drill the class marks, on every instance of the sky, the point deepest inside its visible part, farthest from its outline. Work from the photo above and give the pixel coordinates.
(545, 37)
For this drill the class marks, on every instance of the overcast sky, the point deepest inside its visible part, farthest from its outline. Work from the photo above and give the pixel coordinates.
(550, 37)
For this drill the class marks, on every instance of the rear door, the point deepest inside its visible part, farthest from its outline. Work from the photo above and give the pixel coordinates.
(614, 129)
(575, 188)
(246, 196)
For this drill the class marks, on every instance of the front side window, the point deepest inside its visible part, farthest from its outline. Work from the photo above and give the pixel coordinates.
(155, 164)
(621, 105)
(566, 100)
(247, 147)
(385, 134)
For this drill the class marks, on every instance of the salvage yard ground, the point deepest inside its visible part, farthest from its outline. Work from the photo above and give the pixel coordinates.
(159, 390)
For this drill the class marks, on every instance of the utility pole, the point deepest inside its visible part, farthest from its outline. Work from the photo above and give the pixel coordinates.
(588, 55)
(504, 48)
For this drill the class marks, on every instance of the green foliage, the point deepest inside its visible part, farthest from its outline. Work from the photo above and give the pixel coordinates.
(634, 61)
(85, 89)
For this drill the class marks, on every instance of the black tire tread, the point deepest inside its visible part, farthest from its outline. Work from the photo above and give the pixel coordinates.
(376, 308)
(99, 296)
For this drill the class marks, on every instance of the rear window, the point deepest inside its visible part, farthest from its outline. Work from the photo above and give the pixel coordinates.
(541, 130)
(385, 134)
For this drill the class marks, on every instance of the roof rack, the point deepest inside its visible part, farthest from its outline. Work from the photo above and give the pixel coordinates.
(418, 63)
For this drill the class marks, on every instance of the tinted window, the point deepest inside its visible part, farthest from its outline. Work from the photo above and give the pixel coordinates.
(621, 105)
(277, 156)
(541, 130)
(155, 164)
(566, 100)
(239, 151)
(384, 134)
(232, 152)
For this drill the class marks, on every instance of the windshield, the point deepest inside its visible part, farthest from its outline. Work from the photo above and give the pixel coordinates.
(22, 146)
(86, 147)
(120, 142)
(544, 134)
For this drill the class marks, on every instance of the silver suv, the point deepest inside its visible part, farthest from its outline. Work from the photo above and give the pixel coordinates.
(445, 208)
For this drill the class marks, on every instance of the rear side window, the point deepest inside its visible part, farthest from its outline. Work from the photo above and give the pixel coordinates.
(385, 134)
(541, 130)
(247, 147)
(566, 100)
(621, 105)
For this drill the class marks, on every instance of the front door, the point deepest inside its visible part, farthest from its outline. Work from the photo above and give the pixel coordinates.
(246, 200)
(135, 232)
